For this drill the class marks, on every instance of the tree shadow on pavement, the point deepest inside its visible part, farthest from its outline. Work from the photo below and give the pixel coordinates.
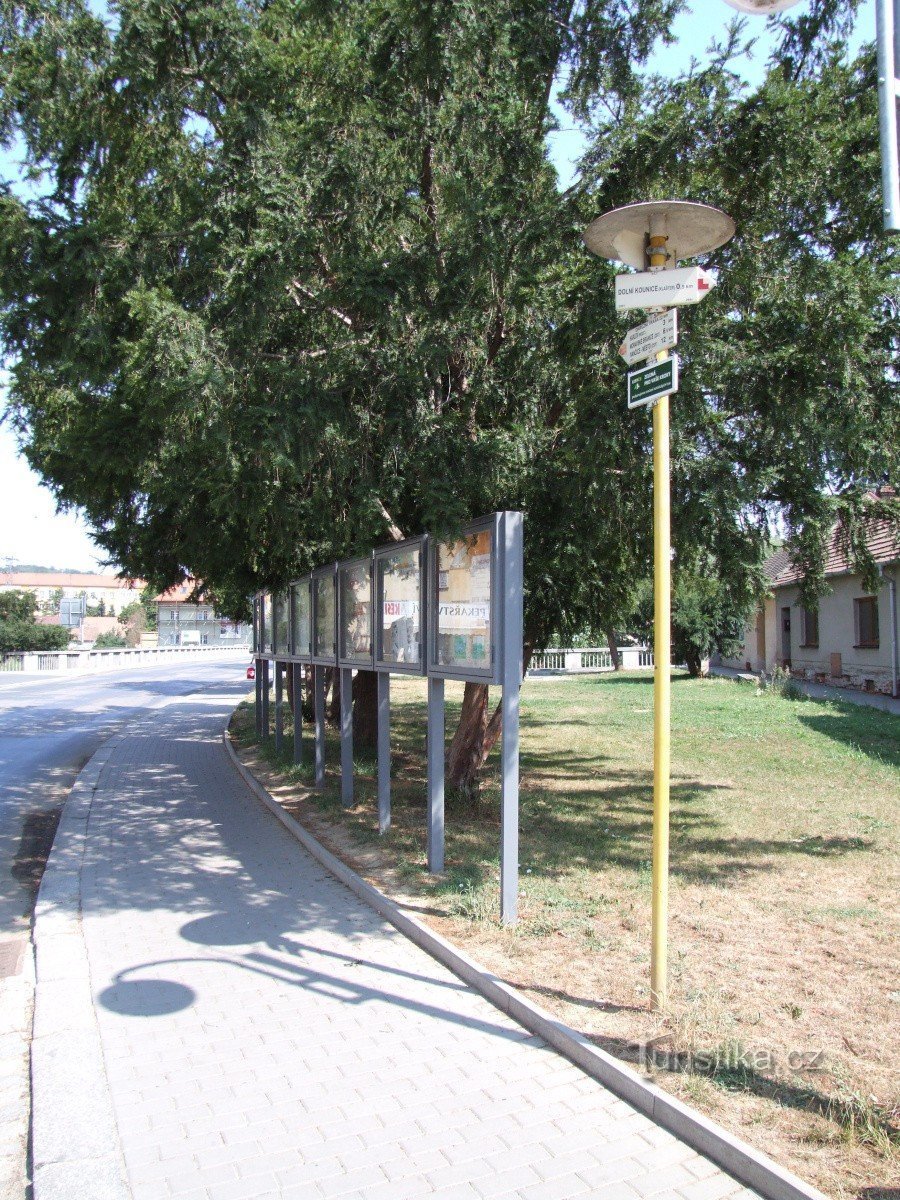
(174, 828)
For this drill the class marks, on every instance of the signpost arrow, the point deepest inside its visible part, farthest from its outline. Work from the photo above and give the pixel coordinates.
(647, 340)
(650, 383)
(662, 289)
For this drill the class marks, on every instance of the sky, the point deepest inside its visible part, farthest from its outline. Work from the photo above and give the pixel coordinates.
(31, 531)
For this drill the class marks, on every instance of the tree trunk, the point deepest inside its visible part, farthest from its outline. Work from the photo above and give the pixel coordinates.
(475, 735)
(365, 709)
(694, 663)
(309, 700)
(466, 753)
(333, 707)
(613, 649)
(306, 689)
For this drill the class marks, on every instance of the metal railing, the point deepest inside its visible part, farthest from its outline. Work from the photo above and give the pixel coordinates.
(104, 660)
(591, 658)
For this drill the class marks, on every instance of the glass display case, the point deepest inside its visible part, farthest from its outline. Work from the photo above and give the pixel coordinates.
(463, 579)
(281, 611)
(355, 612)
(324, 597)
(400, 606)
(268, 626)
(301, 619)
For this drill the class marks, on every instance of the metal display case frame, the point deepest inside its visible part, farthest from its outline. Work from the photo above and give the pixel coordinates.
(365, 661)
(301, 654)
(323, 573)
(420, 545)
(281, 611)
(493, 672)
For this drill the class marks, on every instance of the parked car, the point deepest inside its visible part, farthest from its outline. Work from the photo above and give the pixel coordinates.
(251, 671)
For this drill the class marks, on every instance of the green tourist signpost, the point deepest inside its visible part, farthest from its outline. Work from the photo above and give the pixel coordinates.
(651, 383)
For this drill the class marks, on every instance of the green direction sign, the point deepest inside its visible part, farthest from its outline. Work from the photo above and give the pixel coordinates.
(649, 383)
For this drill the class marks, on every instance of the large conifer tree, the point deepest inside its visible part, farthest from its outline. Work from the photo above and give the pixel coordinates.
(302, 277)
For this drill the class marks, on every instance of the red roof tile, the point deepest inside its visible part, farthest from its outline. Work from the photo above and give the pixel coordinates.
(55, 579)
(881, 541)
(181, 592)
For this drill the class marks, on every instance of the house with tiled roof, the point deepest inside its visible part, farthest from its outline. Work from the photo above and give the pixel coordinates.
(186, 616)
(850, 638)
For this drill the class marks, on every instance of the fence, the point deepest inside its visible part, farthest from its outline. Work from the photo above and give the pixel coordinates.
(592, 658)
(563, 661)
(104, 660)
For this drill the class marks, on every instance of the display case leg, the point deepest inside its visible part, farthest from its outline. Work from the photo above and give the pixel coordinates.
(265, 699)
(436, 754)
(346, 737)
(512, 681)
(319, 695)
(297, 700)
(279, 705)
(384, 751)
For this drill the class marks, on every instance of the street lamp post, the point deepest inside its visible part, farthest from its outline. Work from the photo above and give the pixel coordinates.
(652, 237)
(887, 21)
(761, 7)
(887, 36)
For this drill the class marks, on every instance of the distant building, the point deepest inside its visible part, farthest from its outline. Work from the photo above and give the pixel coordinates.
(184, 622)
(850, 639)
(114, 592)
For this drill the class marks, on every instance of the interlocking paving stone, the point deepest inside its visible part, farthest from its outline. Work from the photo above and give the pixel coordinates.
(267, 1035)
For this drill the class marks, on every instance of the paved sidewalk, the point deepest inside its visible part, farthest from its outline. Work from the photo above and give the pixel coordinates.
(266, 1035)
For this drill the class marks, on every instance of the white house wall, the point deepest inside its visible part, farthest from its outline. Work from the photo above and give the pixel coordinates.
(114, 599)
(837, 635)
(861, 667)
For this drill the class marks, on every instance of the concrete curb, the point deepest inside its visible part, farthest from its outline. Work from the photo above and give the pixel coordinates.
(16, 1023)
(749, 1166)
(77, 1154)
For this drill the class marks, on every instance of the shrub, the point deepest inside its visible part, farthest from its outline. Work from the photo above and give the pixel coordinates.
(17, 605)
(17, 636)
(110, 641)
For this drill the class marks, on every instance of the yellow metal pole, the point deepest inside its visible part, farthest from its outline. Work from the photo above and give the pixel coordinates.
(662, 698)
(662, 701)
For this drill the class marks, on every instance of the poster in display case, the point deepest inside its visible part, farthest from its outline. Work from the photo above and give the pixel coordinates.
(463, 576)
(400, 577)
(355, 612)
(268, 627)
(281, 611)
(301, 619)
(324, 598)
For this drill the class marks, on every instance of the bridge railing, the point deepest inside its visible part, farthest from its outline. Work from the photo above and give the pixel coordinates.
(104, 660)
(566, 661)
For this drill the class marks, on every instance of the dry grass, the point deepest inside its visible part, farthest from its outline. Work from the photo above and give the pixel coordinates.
(785, 991)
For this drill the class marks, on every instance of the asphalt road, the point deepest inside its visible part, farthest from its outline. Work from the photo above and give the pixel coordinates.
(49, 727)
